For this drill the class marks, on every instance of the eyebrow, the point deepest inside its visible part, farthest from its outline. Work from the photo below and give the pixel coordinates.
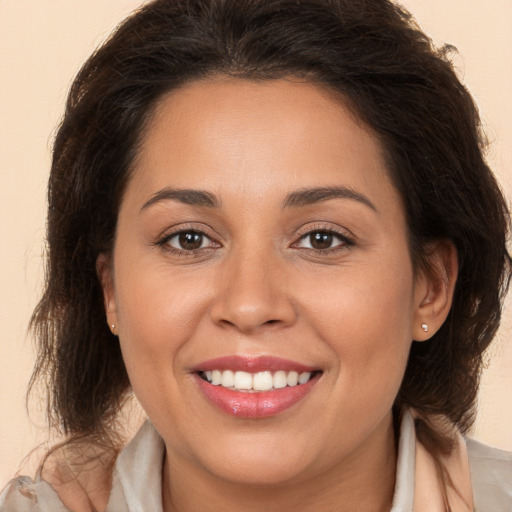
(186, 196)
(297, 199)
(309, 196)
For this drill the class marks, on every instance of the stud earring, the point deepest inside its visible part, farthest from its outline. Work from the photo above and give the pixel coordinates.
(113, 329)
(424, 327)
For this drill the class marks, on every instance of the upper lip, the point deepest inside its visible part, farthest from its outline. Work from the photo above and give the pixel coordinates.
(252, 364)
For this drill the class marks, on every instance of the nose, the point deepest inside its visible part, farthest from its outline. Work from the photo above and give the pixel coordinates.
(253, 294)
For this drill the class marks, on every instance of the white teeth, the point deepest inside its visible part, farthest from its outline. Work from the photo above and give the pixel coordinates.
(228, 379)
(280, 380)
(292, 379)
(216, 377)
(243, 380)
(304, 377)
(261, 381)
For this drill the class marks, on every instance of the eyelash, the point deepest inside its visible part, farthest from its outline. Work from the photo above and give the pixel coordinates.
(164, 242)
(344, 242)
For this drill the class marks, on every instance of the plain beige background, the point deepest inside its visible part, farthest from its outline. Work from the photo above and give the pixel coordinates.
(43, 43)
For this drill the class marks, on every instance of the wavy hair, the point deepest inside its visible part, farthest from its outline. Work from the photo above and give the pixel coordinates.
(387, 70)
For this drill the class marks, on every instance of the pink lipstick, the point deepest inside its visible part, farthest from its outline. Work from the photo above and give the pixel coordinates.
(255, 387)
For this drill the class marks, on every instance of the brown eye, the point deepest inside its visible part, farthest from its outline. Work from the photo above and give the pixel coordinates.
(323, 240)
(188, 241)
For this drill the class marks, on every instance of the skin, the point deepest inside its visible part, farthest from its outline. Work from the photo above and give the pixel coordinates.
(257, 287)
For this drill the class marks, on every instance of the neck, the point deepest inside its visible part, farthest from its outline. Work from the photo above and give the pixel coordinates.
(364, 481)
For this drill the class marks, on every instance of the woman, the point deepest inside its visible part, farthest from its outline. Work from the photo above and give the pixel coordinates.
(272, 221)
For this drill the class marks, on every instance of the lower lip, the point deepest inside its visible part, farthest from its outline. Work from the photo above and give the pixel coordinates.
(260, 404)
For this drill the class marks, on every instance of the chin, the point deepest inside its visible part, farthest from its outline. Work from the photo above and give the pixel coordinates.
(257, 461)
(261, 473)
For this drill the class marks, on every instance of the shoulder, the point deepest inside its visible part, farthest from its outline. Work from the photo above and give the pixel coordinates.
(25, 495)
(72, 477)
(491, 477)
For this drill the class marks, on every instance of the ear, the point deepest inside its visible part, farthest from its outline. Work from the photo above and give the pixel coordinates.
(435, 286)
(105, 272)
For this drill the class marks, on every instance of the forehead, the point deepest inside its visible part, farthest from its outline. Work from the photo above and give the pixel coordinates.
(263, 137)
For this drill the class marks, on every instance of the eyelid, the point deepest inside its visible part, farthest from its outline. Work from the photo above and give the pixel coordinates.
(163, 239)
(342, 234)
(303, 239)
(172, 237)
(328, 227)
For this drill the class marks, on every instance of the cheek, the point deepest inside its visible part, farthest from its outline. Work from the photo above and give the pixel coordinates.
(156, 320)
(157, 315)
(366, 319)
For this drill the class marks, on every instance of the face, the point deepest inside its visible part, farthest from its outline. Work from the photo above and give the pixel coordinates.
(261, 281)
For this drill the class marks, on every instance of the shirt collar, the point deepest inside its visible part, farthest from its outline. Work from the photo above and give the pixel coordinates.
(137, 481)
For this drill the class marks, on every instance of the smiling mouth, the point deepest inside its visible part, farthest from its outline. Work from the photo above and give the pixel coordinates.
(255, 387)
(256, 382)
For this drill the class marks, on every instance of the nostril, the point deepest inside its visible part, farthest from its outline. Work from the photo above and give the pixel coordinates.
(248, 312)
